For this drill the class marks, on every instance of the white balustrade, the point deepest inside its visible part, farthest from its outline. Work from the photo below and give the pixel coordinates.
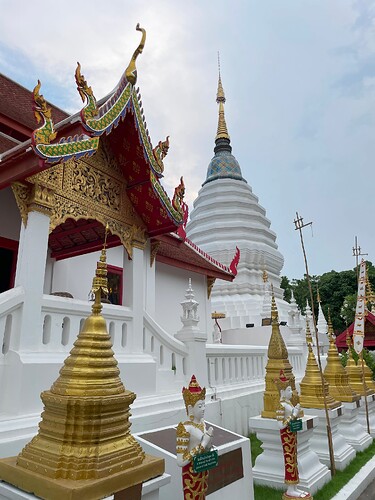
(169, 353)
(11, 303)
(234, 365)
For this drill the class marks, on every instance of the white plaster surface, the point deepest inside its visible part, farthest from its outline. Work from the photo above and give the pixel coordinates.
(353, 433)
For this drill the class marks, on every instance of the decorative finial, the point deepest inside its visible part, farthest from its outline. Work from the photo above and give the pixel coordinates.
(131, 70)
(274, 312)
(265, 276)
(100, 280)
(42, 112)
(222, 131)
(330, 326)
(348, 339)
(308, 332)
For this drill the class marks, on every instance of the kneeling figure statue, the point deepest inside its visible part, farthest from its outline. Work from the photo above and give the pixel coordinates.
(192, 439)
(285, 414)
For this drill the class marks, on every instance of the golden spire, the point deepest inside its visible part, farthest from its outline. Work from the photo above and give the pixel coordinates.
(84, 432)
(277, 361)
(308, 332)
(222, 131)
(354, 372)
(311, 390)
(335, 373)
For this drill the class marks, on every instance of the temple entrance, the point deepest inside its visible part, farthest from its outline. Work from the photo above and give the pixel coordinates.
(8, 259)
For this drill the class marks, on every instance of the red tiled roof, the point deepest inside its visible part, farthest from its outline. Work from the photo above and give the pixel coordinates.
(16, 103)
(6, 142)
(177, 252)
(369, 332)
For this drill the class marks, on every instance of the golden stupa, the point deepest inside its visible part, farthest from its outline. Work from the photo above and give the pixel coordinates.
(354, 372)
(312, 392)
(84, 449)
(335, 373)
(277, 361)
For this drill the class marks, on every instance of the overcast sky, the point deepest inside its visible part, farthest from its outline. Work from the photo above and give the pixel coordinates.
(299, 78)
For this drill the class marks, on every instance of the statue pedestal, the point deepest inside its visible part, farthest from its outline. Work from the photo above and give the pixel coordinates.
(351, 430)
(371, 414)
(232, 478)
(149, 491)
(34, 485)
(343, 452)
(269, 466)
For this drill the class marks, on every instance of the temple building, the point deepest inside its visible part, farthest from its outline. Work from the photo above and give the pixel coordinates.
(69, 182)
(226, 215)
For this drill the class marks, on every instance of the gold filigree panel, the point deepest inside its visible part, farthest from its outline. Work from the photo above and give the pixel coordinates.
(90, 188)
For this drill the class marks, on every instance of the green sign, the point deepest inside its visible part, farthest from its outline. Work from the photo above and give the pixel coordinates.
(205, 461)
(295, 425)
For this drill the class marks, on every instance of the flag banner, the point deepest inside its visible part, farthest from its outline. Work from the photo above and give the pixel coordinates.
(360, 313)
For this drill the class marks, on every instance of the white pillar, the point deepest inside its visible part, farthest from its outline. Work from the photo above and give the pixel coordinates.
(31, 265)
(349, 427)
(134, 296)
(150, 281)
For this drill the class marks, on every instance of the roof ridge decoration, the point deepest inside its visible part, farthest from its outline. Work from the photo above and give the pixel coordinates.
(232, 269)
(99, 120)
(41, 138)
(179, 204)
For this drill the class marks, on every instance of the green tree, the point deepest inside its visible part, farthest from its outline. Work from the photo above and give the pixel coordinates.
(347, 311)
(286, 286)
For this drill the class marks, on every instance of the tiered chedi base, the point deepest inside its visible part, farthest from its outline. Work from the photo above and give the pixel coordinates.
(84, 432)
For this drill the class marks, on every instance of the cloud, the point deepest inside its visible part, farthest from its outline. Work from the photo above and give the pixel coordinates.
(299, 82)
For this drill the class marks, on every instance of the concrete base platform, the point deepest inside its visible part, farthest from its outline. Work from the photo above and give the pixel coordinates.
(343, 452)
(353, 433)
(269, 466)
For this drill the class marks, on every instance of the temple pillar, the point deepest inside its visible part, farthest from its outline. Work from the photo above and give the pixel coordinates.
(31, 266)
(150, 280)
(134, 286)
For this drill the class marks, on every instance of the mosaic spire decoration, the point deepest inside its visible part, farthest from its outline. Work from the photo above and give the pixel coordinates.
(335, 373)
(277, 362)
(84, 432)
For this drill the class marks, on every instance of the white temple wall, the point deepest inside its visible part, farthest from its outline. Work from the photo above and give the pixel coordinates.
(74, 275)
(10, 220)
(171, 285)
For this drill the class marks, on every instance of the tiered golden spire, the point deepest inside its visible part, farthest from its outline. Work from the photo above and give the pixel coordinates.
(354, 372)
(309, 339)
(335, 373)
(277, 361)
(222, 131)
(311, 390)
(84, 432)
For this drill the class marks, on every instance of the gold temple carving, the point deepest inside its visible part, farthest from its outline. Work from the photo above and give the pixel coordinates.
(88, 188)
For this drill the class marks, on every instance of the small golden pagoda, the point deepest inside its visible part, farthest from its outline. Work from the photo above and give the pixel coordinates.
(311, 390)
(84, 449)
(335, 373)
(277, 361)
(354, 372)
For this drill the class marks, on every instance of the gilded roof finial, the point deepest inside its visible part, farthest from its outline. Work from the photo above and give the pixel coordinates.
(131, 70)
(309, 339)
(330, 326)
(100, 280)
(222, 131)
